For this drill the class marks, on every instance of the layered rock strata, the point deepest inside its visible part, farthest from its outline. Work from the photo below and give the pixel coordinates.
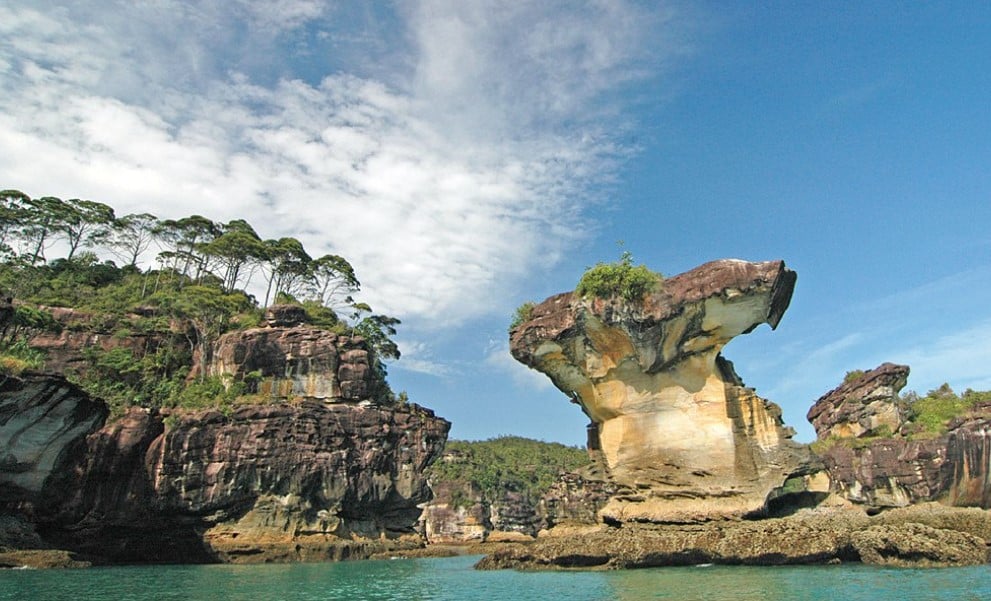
(276, 482)
(672, 423)
(872, 459)
(288, 359)
(297, 475)
(44, 422)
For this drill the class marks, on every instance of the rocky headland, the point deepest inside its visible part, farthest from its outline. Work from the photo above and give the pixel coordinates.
(704, 470)
(311, 466)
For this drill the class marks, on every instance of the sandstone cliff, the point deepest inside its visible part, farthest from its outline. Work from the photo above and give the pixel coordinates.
(877, 457)
(291, 474)
(673, 424)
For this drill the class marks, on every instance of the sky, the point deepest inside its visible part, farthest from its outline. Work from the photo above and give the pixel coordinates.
(469, 155)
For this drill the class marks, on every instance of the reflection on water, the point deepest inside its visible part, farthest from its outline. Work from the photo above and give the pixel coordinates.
(454, 579)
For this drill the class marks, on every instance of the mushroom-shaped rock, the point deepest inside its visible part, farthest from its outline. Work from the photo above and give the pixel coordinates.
(671, 420)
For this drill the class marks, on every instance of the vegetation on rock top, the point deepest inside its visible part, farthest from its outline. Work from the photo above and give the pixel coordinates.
(622, 278)
(195, 291)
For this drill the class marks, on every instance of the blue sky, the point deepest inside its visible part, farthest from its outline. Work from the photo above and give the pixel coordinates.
(467, 156)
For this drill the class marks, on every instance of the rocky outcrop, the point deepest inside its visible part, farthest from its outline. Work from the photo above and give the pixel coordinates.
(672, 423)
(875, 457)
(44, 421)
(865, 405)
(267, 483)
(968, 457)
(297, 361)
(809, 537)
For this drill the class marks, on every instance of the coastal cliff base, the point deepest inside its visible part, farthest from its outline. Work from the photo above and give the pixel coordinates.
(928, 535)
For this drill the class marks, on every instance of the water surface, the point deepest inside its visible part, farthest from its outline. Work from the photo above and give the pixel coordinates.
(454, 579)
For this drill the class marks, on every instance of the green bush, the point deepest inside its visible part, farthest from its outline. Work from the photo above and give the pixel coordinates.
(623, 278)
(933, 412)
(523, 313)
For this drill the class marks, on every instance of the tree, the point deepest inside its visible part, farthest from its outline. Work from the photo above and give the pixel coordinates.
(230, 252)
(45, 217)
(131, 235)
(333, 280)
(183, 240)
(208, 310)
(84, 222)
(13, 215)
(287, 264)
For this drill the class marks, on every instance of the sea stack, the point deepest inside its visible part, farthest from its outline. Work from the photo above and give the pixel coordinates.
(672, 423)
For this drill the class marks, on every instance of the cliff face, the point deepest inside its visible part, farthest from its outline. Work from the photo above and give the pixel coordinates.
(871, 461)
(44, 422)
(302, 475)
(673, 423)
(298, 361)
(277, 482)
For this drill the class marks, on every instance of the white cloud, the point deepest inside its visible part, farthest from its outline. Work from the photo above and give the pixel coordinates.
(443, 188)
(498, 357)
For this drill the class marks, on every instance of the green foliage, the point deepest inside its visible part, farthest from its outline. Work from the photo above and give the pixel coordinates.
(853, 375)
(933, 412)
(159, 319)
(18, 357)
(522, 314)
(506, 464)
(623, 279)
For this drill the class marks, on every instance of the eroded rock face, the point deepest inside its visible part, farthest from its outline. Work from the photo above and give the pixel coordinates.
(275, 482)
(298, 361)
(44, 421)
(968, 454)
(888, 468)
(673, 423)
(864, 406)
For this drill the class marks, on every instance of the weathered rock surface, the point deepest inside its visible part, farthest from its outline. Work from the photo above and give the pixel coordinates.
(44, 422)
(809, 537)
(268, 483)
(899, 470)
(297, 362)
(968, 457)
(864, 406)
(675, 426)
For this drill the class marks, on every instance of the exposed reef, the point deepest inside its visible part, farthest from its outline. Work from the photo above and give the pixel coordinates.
(671, 422)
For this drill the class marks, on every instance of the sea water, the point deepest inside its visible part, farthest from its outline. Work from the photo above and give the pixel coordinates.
(454, 579)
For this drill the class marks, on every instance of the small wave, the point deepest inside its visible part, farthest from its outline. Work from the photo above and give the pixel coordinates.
(703, 565)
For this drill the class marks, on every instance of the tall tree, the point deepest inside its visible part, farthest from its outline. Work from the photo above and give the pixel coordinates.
(131, 235)
(333, 281)
(45, 217)
(183, 240)
(287, 264)
(230, 252)
(84, 222)
(13, 215)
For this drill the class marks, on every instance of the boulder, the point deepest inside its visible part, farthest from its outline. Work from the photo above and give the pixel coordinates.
(672, 423)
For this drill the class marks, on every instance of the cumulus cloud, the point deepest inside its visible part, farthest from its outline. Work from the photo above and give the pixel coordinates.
(445, 178)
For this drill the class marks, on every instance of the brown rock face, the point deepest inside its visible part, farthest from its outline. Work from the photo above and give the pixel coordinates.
(674, 424)
(968, 454)
(899, 470)
(276, 482)
(298, 362)
(864, 406)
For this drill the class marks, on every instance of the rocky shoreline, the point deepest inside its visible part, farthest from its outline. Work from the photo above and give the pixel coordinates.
(924, 536)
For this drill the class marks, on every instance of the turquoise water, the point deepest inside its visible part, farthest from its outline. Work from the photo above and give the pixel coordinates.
(454, 579)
